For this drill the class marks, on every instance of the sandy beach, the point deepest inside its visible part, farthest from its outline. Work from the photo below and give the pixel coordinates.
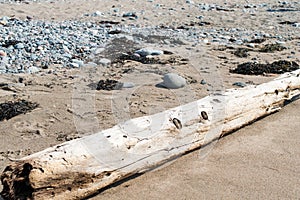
(202, 43)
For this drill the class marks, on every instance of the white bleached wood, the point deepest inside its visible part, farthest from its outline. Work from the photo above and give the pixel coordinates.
(81, 167)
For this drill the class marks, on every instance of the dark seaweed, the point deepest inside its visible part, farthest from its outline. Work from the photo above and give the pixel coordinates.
(241, 52)
(107, 84)
(258, 40)
(277, 67)
(287, 23)
(11, 109)
(270, 48)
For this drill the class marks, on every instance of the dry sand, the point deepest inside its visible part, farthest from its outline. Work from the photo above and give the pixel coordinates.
(259, 161)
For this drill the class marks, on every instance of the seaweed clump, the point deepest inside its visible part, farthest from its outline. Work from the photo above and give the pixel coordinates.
(11, 109)
(241, 52)
(270, 48)
(277, 67)
(107, 84)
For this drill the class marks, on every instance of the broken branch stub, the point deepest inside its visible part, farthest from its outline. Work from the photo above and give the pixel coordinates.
(79, 168)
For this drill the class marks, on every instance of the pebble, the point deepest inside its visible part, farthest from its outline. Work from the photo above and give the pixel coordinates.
(203, 82)
(74, 65)
(33, 70)
(80, 63)
(96, 14)
(19, 46)
(104, 61)
(173, 81)
(128, 85)
(91, 64)
(30, 42)
(130, 15)
(99, 50)
(2, 53)
(146, 52)
(2, 67)
(297, 25)
(240, 84)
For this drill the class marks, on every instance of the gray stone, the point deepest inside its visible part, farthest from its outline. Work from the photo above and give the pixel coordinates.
(240, 84)
(104, 61)
(2, 67)
(74, 65)
(96, 14)
(33, 57)
(79, 62)
(33, 70)
(128, 85)
(173, 81)
(203, 82)
(297, 25)
(91, 64)
(19, 46)
(99, 50)
(146, 52)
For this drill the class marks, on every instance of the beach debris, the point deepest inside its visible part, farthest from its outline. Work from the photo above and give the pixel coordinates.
(277, 67)
(11, 109)
(173, 81)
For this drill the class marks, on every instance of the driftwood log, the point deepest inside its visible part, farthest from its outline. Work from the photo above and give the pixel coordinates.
(79, 168)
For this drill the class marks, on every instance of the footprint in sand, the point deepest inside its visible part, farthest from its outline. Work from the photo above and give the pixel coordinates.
(28, 130)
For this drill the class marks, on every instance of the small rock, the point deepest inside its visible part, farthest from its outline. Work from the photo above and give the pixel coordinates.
(2, 53)
(4, 20)
(203, 82)
(33, 70)
(130, 14)
(146, 52)
(19, 46)
(240, 84)
(96, 14)
(74, 65)
(2, 67)
(104, 61)
(128, 85)
(189, 2)
(297, 25)
(205, 41)
(79, 62)
(33, 57)
(99, 50)
(91, 64)
(173, 81)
